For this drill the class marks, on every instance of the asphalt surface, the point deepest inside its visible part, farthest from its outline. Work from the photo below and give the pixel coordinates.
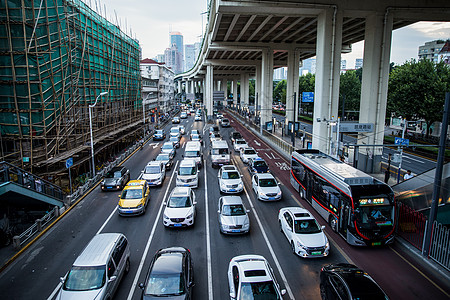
(35, 274)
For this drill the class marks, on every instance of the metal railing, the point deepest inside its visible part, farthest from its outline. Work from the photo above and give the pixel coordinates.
(411, 225)
(440, 245)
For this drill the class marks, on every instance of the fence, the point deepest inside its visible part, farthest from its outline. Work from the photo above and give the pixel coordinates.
(411, 225)
(440, 245)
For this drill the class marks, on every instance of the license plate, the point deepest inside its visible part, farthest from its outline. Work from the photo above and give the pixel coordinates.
(235, 230)
(316, 253)
(232, 190)
(177, 225)
(376, 244)
(109, 187)
(185, 184)
(129, 211)
(271, 198)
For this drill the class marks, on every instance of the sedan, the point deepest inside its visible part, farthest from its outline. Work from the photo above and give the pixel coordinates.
(195, 131)
(176, 120)
(170, 276)
(257, 165)
(233, 217)
(182, 129)
(168, 148)
(239, 144)
(175, 141)
(196, 137)
(247, 153)
(159, 135)
(230, 181)
(266, 187)
(225, 122)
(166, 159)
(197, 118)
(215, 137)
(303, 233)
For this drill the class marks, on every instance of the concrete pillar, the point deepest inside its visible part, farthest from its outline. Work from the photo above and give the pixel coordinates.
(328, 64)
(292, 84)
(235, 91)
(179, 87)
(375, 76)
(258, 86)
(244, 90)
(209, 92)
(265, 98)
(192, 86)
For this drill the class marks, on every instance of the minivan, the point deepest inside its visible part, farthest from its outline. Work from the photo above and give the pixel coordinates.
(193, 151)
(97, 271)
(187, 174)
(220, 155)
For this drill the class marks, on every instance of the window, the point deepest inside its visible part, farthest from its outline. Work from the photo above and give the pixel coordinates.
(288, 218)
(111, 268)
(85, 278)
(235, 278)
(119, 250)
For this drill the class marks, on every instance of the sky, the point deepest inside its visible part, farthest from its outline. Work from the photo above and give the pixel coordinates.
(150, 21)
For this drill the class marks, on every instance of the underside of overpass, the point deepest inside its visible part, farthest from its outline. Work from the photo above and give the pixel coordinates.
(248, 39)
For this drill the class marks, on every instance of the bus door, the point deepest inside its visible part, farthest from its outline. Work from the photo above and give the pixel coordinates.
(309, 186)
(344, 217)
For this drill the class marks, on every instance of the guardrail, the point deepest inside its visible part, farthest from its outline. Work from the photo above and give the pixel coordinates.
(440, 245)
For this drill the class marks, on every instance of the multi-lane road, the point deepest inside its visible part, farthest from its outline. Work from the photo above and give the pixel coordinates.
(35, 274)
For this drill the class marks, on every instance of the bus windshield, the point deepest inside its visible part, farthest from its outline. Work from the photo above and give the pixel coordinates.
(376, 215)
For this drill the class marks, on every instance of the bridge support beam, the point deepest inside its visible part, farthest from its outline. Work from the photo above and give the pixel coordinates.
(244, 90)
(180, 90)
(328, 63)
(265, 98)
(209, 92)
(258, 88)
(375, 76)
(235, 91)
(293, 85)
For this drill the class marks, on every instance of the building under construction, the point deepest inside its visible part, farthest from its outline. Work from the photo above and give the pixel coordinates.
(56, 57)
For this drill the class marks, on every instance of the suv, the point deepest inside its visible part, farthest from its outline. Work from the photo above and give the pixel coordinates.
(230, 181)
(213, 129)
(247, 153)
(251, 277)
(187, 174)
(115, 179)
(171, 274)
(180, 208)
(257, 165)
(97, 271)
(346, 281)
(168, 148)
(154, 173)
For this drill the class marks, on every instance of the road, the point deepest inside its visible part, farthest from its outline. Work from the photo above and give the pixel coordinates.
(35, 274)
(416, 164)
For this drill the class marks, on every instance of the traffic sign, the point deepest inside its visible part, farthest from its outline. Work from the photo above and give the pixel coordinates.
(400, 141)
(307, 97)
(69, 162)
(354, 127)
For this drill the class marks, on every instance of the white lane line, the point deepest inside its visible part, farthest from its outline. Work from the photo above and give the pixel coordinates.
(55, 291)
(147, 247)
(414, 159)
(283, 277)
(208, 239)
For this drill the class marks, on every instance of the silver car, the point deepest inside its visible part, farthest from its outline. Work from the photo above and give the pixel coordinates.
(233, 217)
(230, 181)
(266, 187)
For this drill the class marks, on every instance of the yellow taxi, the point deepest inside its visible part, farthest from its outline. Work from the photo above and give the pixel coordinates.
(134, 198)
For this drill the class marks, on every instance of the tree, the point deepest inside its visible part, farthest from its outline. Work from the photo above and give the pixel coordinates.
(307, 83)
(417, 90)
(350, 88)
(279, 92)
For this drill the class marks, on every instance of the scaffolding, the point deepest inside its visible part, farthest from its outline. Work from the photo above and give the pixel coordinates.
(56, 57)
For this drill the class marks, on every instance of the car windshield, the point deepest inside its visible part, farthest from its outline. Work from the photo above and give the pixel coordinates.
(219, 151)
(162, 157)
(131, 194)
(306, 226)
(191, 154)
(230, 175)
(167, 146)
(249, 151)
(233, 210)
(85, 278)
(174, 130)
(116, 174)
(260, 164)
(267, 182)
(240, 142)
(237, 135)
(159, 132)
(165, 285)
(179, 201)
(195, 131)
(258, 291)
(195, 137)
(173, 139)
(187, 171)
(152, 170)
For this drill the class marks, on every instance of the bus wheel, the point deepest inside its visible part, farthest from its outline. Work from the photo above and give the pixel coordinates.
(333, 223)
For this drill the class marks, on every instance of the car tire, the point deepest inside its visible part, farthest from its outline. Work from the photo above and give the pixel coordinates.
(127, 266)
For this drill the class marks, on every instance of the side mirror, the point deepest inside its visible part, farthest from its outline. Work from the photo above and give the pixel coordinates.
(198, 171)
(323, 227)
(242, 175)
(283, 292)
(218, 211)
(141, 286)
(118, 196)
(61, 279)
(195, 203)
(232, 295)
(165, 203)
(112, 279)
(248, 210)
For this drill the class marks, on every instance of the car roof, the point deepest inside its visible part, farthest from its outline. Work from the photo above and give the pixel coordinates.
(241, 140)
(220, 144)
(249, 148)
(96, 253)
(168, 263)
(229, 168)
(250, 267)
(169, 143)
(180, 191)
(134, 184)
(299, 213)
(228, 200)
(257, 159)
(117, 169)
(154, 163)
(193, 145)
(265, 176)
(187, 162)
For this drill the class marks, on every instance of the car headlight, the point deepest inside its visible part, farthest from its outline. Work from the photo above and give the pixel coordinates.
(222, 184)
(190, 216)
(261, 193)
(166, 217)
(279, 193)
(139, 206)
(240, 184)
(224, 226)
(301, 246)
(327, 245)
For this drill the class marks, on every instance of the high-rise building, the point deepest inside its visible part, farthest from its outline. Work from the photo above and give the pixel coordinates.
(358, 63)
(173, 59)
(159, 58)
(176, 38)
(431, 50)
(189, 56)
(343, 64)
(280, 73)
(308, 66)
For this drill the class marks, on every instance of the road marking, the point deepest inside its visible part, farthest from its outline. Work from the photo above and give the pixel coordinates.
(283, 166)
(257, 143)
(272, 252)
(208, 239)
(414, 159)
(147, 247)
(156, 146)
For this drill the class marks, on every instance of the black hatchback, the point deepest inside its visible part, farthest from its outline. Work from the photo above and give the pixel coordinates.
(347, 281)
(170, 275)
(115, 179)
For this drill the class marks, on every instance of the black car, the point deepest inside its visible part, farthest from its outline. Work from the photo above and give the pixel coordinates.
(257, 165)
(235, 135)
(159, 135)
(170, 275)
(214, 129)
(116, 179)
(346, 281)
(166, 158)
(225, 122)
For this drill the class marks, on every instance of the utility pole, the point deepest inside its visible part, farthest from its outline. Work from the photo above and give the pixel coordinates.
(438, 177)
(400, 148)
(295, 121)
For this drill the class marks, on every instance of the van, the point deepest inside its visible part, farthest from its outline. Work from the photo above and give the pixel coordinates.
(97, 271)
(220, 155)
(193, 151)
(187, 174)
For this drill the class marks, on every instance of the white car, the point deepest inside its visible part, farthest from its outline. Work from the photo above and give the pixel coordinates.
(197, 118)
(230, 181)
(215, 137)
(251, 277)
(183, 115)
(239, 144)
(168, 148)
(154, 173)
(302, 231)
(247, 153)
(180, 208)
(266, 187)
(187, 174)
(175, 131)
(233, 217)
(195, 131)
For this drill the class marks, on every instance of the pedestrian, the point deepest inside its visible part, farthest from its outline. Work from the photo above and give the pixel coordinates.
(408, 175)
(387, 175)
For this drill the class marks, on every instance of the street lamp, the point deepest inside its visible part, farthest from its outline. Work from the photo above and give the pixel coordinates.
(90, 126)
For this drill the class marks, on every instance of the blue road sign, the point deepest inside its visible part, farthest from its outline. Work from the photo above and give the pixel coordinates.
(400, 141)
(307, 97)
(69, 162)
